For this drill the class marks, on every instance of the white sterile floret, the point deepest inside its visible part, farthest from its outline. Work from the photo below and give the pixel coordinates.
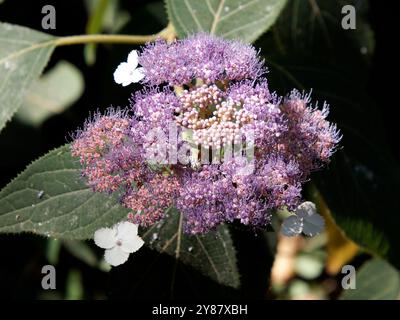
(306, 220)
(119, 241)
(292, 226)
(127, 72)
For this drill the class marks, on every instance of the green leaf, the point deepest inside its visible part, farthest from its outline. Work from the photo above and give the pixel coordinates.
(94, 25)
(113, 19)
(53, 93)
(49, 198)
(376, 280)
(53, 247)
(233, 19)
(82, 251)
(74, 288)
(104, 16)
(212, 254)
(23, 55)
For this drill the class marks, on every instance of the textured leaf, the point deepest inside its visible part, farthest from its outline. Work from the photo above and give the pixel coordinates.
(23, 55)
(212, 254)
(233, 19)
(49, 198)
(376, 280)
(52, 94)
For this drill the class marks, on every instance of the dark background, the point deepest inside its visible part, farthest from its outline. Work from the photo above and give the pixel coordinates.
(22, 256)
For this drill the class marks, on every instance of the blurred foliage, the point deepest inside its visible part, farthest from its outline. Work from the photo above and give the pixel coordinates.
(376, 280)
(54, 92)
(74, 290)
(339, 248)
(305, 48)
(104, 15)
(22, 60)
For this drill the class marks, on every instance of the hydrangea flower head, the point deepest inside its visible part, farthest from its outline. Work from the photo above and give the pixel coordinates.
(207, 136)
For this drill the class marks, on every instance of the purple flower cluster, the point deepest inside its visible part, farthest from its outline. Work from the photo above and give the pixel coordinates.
(214, 94)
(202, 57)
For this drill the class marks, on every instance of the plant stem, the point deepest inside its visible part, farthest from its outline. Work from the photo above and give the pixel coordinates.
(104, 38)
(168, 34)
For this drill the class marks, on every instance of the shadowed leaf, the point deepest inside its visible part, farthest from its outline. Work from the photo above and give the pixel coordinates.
(212, 254)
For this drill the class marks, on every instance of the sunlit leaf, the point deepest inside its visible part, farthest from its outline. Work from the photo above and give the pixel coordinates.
(234, 19)
(23, 55)
(49, 198)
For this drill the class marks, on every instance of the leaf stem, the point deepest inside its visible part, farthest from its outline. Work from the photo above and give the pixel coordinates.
(168, 34)
(104, 38)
